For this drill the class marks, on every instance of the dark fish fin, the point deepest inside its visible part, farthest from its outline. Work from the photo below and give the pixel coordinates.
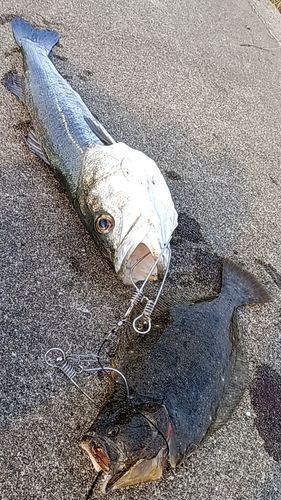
(34, 146)
(14, 84)
(237, 380)
(176, 300)
(99, 130)
(242, 285)
(22, 30)
(166, 301)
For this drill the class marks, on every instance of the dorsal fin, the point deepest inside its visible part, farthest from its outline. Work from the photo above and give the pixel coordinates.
(242, 285)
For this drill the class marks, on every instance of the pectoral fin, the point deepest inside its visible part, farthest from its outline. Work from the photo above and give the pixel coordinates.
(34, 146)
(14, 84)
(99, 130)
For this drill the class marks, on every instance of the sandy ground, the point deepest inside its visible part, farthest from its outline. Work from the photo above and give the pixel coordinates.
(197, 88)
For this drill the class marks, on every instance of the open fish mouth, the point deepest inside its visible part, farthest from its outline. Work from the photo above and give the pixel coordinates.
(117, 475)
(140, 263)
(140, 260)
(97, 454)
(143, 238)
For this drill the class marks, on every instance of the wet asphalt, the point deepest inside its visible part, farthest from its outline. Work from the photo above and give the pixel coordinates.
(197, 88)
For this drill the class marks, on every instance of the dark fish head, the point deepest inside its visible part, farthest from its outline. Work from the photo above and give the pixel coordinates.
(129, 444)
(127, 207)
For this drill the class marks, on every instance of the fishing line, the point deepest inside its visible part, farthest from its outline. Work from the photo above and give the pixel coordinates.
(141, 324)
(138, 297)
(144, 319)
(155, 426)
(135, 299)
(91, 490)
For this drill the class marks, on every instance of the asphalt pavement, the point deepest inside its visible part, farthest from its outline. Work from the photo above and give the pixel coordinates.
(196, 86)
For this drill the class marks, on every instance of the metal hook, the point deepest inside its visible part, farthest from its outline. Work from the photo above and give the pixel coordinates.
(109, 368)
(56, 358)
(145, 317)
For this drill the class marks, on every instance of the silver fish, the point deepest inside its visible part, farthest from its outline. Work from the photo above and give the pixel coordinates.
(118, 192)
(185, 379)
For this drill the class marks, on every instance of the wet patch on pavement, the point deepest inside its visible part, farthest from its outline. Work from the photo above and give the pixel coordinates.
(266, 401)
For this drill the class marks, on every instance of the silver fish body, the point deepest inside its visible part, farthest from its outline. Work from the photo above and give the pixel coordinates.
(185, 379)
(118, 192)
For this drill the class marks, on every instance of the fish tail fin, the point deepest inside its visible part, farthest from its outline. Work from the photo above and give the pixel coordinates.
(242, 285)
(22, 30)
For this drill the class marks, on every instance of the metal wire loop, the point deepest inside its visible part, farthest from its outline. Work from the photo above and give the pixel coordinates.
(56, 358)
(144, 319)
(62, 362)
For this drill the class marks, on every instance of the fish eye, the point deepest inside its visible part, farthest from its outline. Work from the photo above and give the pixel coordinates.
(104, 223)
(112, 431)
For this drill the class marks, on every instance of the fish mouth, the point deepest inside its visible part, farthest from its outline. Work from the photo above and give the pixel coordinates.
(97, 454)
(143, 240)
(139, 265)
(116, 473)
(138, 261)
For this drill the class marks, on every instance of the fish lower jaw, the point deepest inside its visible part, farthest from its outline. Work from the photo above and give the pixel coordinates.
(142, 471)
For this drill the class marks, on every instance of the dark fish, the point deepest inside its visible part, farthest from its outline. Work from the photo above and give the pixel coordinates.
(118, 192)
(185, 378)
